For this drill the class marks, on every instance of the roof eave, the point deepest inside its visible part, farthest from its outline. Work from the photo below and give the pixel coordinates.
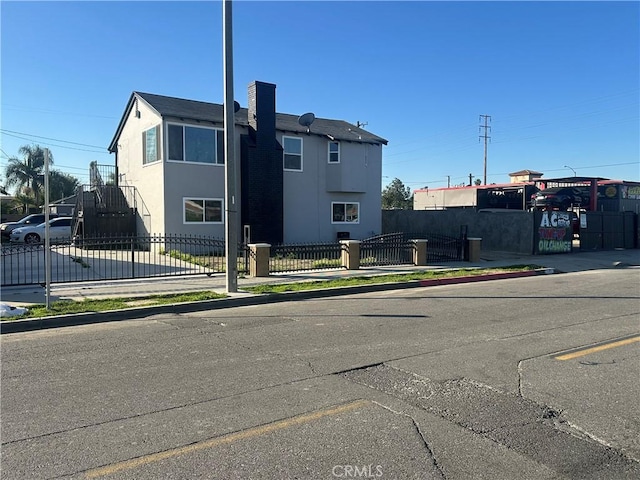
(113, 146)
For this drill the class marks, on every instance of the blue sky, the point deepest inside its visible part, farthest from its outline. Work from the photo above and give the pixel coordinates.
(560, 80)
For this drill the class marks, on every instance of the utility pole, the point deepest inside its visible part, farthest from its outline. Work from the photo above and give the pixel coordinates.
(47, 239)
(230, 164)
(448, 181)
(470, 179)
(487, 129)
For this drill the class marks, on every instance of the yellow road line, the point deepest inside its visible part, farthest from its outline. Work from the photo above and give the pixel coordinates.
(599, 348)
(224, 440)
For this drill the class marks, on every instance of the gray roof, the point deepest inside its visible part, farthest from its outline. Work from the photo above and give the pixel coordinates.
(525, 172)
(213, 112)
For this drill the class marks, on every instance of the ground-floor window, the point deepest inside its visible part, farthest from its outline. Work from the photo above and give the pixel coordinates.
(202, 210)
(342, 212)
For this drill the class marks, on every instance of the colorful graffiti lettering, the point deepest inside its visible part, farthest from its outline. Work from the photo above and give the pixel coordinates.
(554, 246)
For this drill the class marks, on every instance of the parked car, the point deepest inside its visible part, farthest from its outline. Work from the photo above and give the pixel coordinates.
(59, 230)
(30, 220)
(561, 198)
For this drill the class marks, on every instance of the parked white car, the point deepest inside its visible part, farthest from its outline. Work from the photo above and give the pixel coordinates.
(59, 230)
(29, 220)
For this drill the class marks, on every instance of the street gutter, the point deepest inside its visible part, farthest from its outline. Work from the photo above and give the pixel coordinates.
(242, 299)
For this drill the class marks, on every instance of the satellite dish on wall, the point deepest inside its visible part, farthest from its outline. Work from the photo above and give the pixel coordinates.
(236, 107)
(306, 120)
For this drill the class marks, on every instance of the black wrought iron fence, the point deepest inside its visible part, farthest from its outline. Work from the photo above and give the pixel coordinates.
(118, 257)
(128, 257)
(301, 257)
(397, 248)
(443, 248)
(388, 249)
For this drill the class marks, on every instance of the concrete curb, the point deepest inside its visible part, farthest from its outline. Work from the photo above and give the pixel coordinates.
(42, 323)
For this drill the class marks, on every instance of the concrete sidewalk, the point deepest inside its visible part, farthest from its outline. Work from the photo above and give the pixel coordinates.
(25, 296)
(573, 262)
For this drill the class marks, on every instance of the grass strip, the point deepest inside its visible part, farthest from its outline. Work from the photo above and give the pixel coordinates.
(385, 278)
(89, 305)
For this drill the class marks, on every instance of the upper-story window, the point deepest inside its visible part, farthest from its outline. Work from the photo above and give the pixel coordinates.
(334, 152)
(292, 153)
(196, 144)
(151, 145)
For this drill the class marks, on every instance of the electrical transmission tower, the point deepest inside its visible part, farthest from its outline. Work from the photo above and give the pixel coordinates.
(487, 129)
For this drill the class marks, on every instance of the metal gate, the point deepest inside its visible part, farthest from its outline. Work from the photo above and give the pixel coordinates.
(117, 258)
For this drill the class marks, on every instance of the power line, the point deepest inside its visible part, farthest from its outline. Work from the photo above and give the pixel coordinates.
(56, 112)
(49, 138)
(460, 177)
(104, 152)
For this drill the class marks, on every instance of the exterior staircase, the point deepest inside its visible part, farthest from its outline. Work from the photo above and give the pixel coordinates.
(102, 208)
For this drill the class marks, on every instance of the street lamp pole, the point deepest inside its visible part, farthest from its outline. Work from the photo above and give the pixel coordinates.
(574, 172)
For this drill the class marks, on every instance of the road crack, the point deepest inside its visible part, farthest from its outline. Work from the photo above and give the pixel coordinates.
(510, 420)
(416, 425)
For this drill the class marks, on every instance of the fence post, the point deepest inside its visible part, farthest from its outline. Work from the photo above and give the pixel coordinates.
(259, 259)
(350, 254)
(133, 256)
(420, 252)
(474, 249)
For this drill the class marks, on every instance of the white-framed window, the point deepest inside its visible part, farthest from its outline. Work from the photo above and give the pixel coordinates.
(334, 152)
(190, 144)
(151, 145)
(292, 153)
(345, 212)
(202, 210)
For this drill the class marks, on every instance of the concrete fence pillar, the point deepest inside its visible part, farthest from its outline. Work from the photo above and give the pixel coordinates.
(350, 254)
(474, 249)
(259, 259)
(420, 252)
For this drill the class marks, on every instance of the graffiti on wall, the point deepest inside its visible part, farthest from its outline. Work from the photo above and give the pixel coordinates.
(555, 232)
(631, 191)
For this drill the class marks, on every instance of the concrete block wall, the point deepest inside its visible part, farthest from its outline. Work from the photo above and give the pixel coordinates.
(504, 230)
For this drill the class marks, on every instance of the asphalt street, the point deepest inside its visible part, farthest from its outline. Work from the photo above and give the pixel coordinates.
(529, 378)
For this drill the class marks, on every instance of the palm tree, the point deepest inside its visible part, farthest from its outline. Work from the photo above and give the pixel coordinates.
(28, 172)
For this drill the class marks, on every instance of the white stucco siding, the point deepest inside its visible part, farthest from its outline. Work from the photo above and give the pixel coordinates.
(147, 179)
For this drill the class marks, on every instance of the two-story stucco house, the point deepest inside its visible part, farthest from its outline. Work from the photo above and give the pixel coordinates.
(296, 183)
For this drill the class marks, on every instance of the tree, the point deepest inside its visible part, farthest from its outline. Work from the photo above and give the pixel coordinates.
(62, 185)
(27, 174)
(397, 196)
(478, 181)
